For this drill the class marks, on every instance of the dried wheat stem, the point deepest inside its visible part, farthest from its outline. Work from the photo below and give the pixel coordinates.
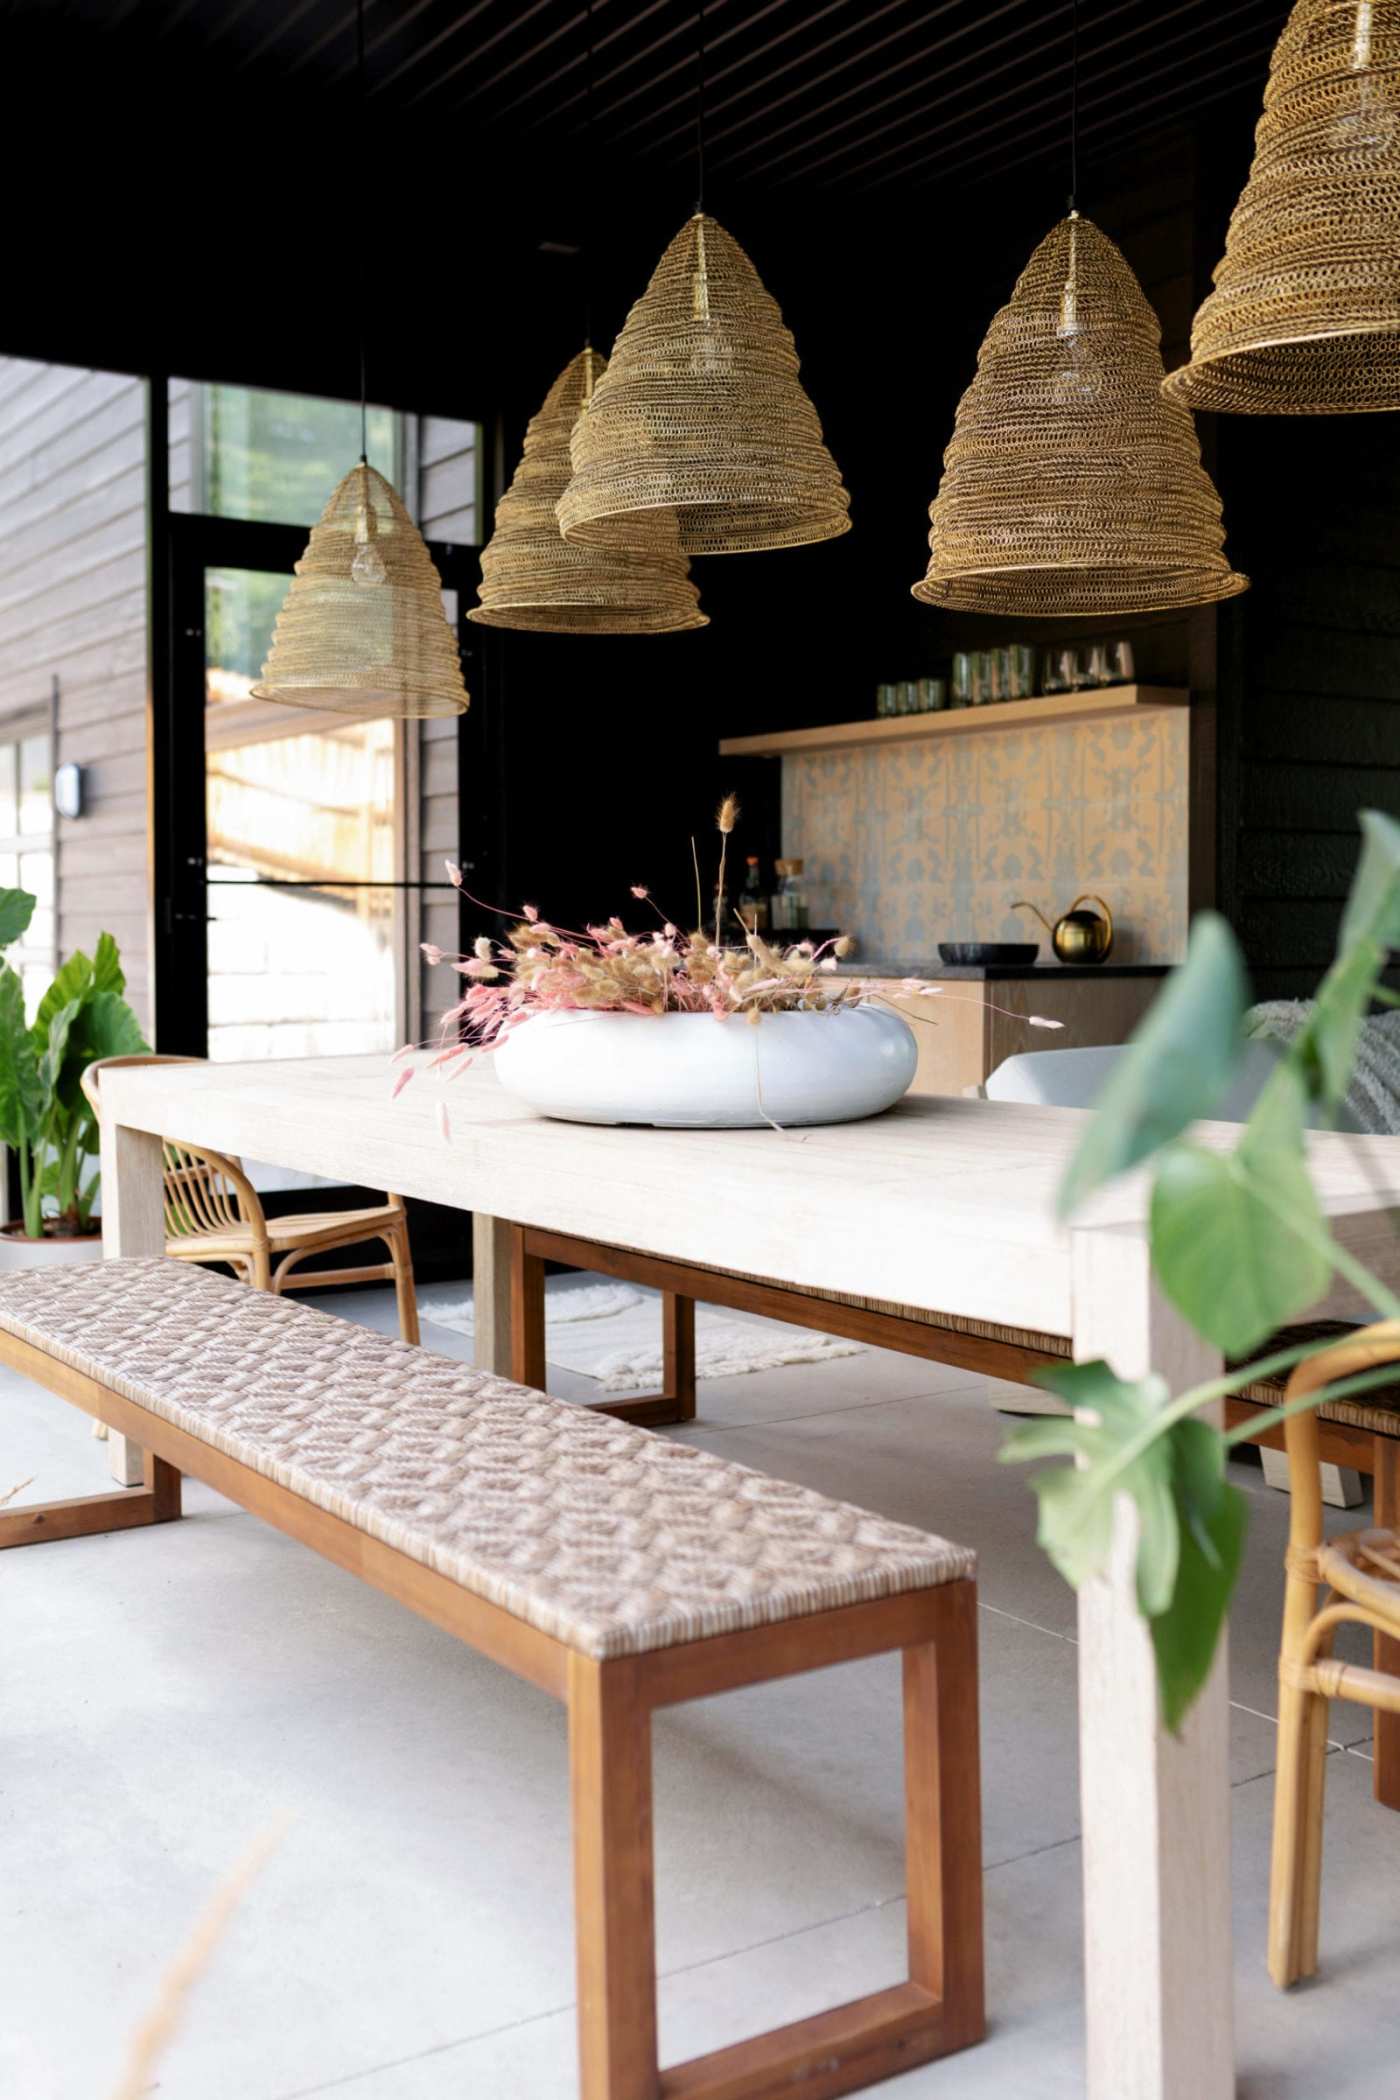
(153, 2036)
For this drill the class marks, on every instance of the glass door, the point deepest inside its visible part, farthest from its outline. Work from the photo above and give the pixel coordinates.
(303, 852)
(296, 888)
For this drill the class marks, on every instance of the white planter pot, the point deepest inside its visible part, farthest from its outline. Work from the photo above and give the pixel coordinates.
(21, 1253)
(690, 1071)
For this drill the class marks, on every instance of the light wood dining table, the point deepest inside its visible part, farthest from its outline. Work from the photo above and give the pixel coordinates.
(941, 1205)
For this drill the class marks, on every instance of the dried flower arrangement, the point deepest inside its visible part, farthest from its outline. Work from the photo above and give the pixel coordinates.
(538, 967)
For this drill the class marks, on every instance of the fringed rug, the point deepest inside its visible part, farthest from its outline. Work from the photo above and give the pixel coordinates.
(612, 1332)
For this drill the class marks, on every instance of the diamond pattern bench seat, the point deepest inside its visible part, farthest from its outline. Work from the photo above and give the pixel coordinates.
(604, 1536)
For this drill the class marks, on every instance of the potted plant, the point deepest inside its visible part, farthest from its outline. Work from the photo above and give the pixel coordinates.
(1241, 1246)
(44, 1114)
(704, 1030)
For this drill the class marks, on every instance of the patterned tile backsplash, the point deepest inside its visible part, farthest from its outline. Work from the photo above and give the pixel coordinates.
(917, 843)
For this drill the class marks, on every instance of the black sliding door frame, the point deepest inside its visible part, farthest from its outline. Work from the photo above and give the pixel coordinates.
(194, 544)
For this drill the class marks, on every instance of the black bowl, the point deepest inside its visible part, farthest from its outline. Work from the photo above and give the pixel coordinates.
(971, 955)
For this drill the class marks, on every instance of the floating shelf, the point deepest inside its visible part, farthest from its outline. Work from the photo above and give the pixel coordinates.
(1101, 704)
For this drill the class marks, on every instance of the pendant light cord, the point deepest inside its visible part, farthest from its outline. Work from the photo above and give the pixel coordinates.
(1073, 107)
(363, 271)
(590, 199)
(700, 106)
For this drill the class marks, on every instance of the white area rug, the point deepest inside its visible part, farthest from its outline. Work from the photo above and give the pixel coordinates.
(612, 1332)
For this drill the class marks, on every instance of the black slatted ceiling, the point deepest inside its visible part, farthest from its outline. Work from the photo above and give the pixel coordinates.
(843, 98)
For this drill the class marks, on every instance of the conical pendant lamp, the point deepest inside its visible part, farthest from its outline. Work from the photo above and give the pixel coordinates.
(1070, 486)
(362, 630)
(701, 412)
(1305, 315)
(533, 578)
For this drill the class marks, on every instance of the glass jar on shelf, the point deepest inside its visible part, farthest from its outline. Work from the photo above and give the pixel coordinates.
(753, 902)
(1022, 672)
(791, 913)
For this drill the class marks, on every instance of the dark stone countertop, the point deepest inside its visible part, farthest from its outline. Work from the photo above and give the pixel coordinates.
(999, 973)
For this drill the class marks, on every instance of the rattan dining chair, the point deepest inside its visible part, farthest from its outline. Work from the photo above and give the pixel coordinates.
(214, 1214)
(1360, 1574)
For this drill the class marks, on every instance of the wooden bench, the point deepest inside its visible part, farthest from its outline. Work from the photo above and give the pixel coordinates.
(616, 1570)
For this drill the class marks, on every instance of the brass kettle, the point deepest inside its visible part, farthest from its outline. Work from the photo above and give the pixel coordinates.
(1080, 936)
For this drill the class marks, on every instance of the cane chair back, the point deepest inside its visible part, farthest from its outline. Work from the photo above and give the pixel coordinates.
(206, 1193)
(214, 1214)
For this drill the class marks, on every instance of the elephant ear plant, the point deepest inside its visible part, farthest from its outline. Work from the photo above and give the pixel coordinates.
(44, 1113)
(1239, 1244)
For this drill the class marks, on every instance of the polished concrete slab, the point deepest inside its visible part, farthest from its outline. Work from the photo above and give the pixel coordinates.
(169, 1695)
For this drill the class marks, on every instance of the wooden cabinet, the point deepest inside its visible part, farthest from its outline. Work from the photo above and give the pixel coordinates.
(970, 1027)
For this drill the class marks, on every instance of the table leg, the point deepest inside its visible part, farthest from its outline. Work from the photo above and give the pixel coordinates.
(1159, 1980)
(491, 1265)
(133, 1223)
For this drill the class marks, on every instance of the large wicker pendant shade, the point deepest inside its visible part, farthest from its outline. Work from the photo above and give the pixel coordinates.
(533, 578)
(1305, 315)
(701, 412)
(1070, 486)
(362, 630)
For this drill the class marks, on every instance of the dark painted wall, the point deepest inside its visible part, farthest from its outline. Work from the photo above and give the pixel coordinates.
(1312, 678)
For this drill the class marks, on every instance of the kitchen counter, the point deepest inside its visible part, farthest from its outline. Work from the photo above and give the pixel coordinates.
(1002, 973)
(985, 1013)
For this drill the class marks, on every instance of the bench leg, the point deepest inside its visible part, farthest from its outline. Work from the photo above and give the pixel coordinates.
(1386, 1655)
(610, 1772)
(157, 1501)
(943, 1821)
(937, 2010)
(674, 1403)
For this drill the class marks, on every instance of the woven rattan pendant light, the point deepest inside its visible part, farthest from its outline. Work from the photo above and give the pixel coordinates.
(362, 630)
(701, 412)
(1070, 486)
(1305, 315)
(531, 577)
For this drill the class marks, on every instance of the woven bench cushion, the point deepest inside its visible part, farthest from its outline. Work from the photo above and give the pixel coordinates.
(603, 1535)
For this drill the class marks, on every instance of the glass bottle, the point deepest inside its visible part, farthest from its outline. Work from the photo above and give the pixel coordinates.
(790, 909)
(753, 897)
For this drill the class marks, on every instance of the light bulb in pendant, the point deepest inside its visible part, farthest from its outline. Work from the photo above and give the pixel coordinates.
(367, 568)
(1080, 377)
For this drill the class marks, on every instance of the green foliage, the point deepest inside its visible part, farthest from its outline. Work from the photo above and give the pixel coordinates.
(16, 911)
(1211, 1516)
(1239, 1242)
(1180, 1062)
(1240, 1245)
(1113, 1439)
(44, 1113)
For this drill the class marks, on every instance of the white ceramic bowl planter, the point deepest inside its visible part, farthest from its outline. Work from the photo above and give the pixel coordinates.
(691, 1071)
(18, 1252)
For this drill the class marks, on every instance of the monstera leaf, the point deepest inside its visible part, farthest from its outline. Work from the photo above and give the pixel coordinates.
(1176, 1068)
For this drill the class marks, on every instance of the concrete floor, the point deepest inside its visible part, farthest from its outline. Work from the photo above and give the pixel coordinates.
(170, 1694)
